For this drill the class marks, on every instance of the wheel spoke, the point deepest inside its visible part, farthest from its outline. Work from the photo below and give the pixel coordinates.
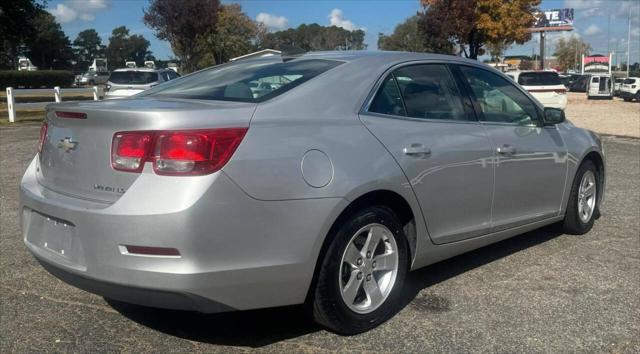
(352, 254)
(589, 190)
(373, 238)
(350, 290)
(373, 291)
(387, 261)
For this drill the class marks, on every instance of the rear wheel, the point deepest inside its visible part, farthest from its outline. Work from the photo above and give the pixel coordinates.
(583, 200)
(638, 96)
(360, 280)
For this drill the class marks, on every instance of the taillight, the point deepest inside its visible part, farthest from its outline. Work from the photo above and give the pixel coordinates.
(43, 135)
(561, 91)
(175, 153)
(129, 150)
(72, 115)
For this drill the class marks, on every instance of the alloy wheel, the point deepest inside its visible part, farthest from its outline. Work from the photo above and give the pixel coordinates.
(368, 268)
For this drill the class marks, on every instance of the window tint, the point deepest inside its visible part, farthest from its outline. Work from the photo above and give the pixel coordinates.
(430, 92)
(499, 100)
(388, 99)
(133, 77)
(252, 81)
(629, 81)
(539, 79)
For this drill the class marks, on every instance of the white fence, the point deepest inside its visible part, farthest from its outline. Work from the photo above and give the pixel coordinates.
(57, 95)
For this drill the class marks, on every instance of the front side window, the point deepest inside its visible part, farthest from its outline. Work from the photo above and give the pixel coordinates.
(499, 100)
(254, 81)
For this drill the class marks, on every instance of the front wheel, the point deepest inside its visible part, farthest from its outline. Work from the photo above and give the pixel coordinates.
(583, 200)
(360, 280)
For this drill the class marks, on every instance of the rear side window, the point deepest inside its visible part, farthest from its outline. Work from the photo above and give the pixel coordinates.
(539, 79)
(595, 79)
(420, 91)
(629, 81)
(255, 81)
(133, 77)
(388, 99)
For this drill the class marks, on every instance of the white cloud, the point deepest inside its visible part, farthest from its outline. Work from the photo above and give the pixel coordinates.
(592, 30)
(273, 22)
(336, 18)
(72, 10)
(63, 13)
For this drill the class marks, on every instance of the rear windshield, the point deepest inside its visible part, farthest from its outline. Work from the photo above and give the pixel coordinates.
(539, 79)
(246, 82)
(133, 77)
(629, 81)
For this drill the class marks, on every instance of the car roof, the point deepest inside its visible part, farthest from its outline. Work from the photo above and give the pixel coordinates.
(139, 69)
(372, 56)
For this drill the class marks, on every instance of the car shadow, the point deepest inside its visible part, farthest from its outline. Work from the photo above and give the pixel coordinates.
(258, 328)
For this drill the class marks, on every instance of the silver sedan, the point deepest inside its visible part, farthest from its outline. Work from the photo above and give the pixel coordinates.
(351, 170)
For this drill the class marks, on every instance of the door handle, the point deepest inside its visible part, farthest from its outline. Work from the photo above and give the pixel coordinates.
(506, 150)
(416, 150)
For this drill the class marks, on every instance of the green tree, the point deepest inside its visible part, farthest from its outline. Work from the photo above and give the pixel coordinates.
(49, 48)
(125, 47)
(16, 26)
(467, 25)
(407, 36)
(86, 47)
(568, 52)
(183, 25)
(314, 37)
(234, 36)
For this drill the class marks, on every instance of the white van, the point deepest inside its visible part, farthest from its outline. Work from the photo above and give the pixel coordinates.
(600, 85)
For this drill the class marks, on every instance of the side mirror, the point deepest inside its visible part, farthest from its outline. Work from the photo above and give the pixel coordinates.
(553, 116)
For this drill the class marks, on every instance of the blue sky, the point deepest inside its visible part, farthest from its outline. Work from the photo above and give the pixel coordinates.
(597, 21)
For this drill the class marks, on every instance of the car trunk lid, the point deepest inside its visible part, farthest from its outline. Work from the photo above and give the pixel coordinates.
(76, 153)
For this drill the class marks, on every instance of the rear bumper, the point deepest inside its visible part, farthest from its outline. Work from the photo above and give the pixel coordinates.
(626, 94)
(235, 252)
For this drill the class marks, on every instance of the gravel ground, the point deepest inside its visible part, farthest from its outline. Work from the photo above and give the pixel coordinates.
(597, 115)
(539, 292)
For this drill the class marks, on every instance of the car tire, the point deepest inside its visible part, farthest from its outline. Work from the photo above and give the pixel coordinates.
(638, 96)
(627, 99)
(582, 208)
(349, 271)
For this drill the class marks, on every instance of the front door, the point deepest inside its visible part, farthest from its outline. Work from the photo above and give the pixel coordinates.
(531, 160)
(429, 127)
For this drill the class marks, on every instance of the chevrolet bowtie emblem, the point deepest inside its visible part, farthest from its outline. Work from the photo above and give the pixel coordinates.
(67, 144)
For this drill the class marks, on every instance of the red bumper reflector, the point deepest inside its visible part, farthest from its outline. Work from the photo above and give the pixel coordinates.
(72, 115)
(153, 251)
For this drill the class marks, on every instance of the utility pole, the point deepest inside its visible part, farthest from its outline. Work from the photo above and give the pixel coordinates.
(628, 44)
(542, 35)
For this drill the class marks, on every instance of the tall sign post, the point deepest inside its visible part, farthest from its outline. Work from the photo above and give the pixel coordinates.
(555, 20)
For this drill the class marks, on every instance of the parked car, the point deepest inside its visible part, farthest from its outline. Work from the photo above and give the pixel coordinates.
(630, 89)
(600, 86)
(200, 195)
(92, 78)
(130, 81)
(545, 86)
(617, 85)
(580, 84)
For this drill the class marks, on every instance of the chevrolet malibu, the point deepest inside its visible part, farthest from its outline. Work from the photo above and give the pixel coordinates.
(350, 171)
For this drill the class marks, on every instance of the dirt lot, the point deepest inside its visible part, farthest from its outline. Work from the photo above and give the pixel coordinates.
(539, 292)
(611, 117)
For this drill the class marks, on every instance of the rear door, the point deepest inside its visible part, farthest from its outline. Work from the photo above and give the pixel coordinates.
(428, 125)
(531, 160)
